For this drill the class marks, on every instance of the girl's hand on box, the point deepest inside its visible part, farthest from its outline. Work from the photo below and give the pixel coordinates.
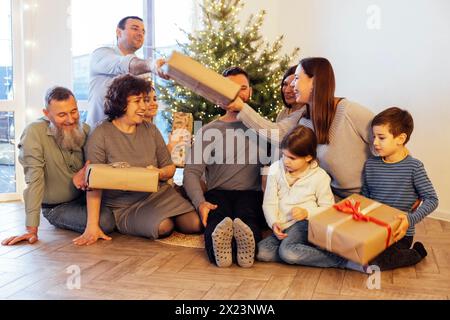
(278, 231)
(299, 214)
(402, 228)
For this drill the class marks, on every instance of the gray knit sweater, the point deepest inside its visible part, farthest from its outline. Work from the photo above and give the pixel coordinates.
(350, 142)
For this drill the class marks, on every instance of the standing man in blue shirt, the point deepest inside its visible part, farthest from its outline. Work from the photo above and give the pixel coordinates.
(109, 62)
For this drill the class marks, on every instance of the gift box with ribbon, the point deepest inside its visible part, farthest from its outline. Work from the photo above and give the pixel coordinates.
(121, 176)
(357, 228)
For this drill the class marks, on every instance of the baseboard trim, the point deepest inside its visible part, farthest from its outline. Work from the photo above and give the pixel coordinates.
(440, 215)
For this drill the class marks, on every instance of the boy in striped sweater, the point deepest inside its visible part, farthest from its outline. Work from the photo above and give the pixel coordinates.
(398, 180)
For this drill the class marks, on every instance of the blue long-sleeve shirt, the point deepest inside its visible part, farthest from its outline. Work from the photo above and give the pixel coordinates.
(399, 185)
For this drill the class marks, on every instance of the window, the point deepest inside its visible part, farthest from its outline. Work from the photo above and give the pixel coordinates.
(7, 155)
(95, 28)
(91, 30)
(8, 105)
(168, 22)
(6, 70)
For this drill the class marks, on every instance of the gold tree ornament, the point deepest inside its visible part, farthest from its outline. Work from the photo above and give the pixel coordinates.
(222, 43)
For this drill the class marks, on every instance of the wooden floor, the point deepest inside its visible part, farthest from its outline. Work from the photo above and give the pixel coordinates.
(134, 268)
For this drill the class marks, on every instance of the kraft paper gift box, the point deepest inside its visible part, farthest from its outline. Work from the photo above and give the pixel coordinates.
(200, 79)
(107, 176)
(357, 240)
(182, 126)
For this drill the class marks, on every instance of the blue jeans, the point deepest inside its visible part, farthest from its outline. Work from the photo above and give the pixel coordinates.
(73, 216)
(295, 249)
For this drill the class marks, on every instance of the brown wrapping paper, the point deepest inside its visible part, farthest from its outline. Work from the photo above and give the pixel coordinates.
(105, 176)
(203, 81)
(358, 241)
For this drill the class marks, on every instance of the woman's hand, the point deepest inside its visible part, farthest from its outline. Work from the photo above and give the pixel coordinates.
(165, 173)
(174, 141)
(237, 105)
(78, 178)
(90, 236)
(278, 231)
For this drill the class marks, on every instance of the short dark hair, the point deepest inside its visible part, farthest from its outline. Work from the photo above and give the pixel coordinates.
(57, 93)
(288, 73)
(123, 21)
(118, 92)
(300, 141)
(234, 71)
(398, 121)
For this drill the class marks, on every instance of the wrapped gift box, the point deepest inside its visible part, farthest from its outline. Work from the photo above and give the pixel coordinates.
(348, 235)
(203, 81)
(106, 176)
(183, 121)
(182, 126)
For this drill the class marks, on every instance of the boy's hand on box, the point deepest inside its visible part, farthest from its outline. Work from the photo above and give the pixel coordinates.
(278, 231)
(402, 228)
(299, 214)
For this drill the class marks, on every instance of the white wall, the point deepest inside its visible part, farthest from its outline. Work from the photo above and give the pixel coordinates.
(47, 55)
(404, 63)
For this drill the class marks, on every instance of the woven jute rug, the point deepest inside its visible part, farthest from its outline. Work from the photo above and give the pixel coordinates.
(184, 240)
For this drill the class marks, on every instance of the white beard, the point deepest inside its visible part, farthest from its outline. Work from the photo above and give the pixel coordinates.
(69, 140)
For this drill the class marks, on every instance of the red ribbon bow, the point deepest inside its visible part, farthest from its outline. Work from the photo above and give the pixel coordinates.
(353, 208)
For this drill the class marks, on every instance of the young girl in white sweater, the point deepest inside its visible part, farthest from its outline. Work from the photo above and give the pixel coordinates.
(297, 189)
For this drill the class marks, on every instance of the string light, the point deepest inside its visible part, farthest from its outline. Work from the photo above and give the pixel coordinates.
(219, 45)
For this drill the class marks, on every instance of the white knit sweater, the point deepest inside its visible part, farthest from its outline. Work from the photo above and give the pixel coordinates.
(311, 192)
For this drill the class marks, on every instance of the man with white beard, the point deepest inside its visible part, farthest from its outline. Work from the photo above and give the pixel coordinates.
(51, 153)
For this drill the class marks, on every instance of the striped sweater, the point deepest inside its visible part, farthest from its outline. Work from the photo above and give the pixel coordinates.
(399, 185)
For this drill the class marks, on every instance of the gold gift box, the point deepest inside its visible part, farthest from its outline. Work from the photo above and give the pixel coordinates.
(200, 79)
(358, 241)
(106, 176)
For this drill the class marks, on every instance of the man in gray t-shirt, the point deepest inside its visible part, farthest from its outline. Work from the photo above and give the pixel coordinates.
(109, 62)
(229, 155)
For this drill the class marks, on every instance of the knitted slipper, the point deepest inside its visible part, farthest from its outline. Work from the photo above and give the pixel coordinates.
(245, 243)
(221, 239)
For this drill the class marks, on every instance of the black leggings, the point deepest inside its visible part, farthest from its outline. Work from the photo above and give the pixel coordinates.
(397, 255)
(245, 205)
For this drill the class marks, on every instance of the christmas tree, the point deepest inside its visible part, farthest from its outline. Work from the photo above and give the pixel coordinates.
(220, 45)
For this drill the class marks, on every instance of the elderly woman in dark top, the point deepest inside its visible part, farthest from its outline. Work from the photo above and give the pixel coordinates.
(126, 137)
